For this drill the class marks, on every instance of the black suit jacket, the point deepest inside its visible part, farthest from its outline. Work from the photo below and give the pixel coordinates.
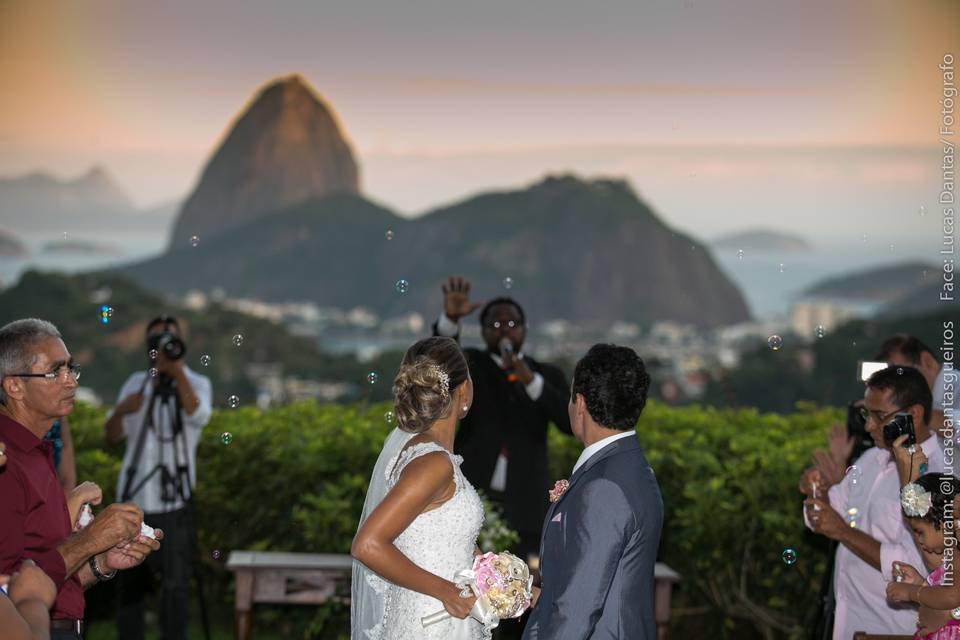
(503, 415)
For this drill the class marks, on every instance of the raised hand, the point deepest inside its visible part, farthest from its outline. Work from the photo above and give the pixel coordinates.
(812, 480)
(456, 299)
(841, 444)
(906, 574)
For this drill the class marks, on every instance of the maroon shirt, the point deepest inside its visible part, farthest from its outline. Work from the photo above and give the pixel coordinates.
(33, 515)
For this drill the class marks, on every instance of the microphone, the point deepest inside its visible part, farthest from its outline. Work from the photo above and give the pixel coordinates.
(506, 350)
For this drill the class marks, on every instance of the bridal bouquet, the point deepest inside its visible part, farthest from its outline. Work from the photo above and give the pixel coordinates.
(502, 584)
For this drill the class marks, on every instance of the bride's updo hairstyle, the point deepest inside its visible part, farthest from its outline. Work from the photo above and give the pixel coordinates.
(431, 371)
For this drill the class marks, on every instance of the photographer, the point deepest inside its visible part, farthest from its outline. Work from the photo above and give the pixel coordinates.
(896, 406)
(161, 413)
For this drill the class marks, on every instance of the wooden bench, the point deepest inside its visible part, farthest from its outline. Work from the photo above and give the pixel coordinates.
(315, 578)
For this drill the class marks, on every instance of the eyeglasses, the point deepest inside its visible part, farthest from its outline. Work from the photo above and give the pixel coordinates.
(879, 416)
(60, 374)
(496, 324)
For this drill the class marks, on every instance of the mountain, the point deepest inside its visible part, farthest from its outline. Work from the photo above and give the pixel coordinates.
(887, 284)
(11, 246)
(586, 251)
(761, 240)
(287, 147)
(40, 202)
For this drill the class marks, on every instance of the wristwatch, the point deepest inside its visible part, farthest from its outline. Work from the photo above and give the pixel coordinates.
(99, 575)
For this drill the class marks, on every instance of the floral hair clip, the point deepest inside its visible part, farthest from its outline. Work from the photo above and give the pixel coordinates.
(444, 380)
(915, 500)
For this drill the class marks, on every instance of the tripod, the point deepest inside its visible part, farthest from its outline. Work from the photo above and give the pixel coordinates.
(173, 484)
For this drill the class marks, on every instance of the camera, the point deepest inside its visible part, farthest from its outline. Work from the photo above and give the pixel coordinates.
(168, 344)
(901, 424)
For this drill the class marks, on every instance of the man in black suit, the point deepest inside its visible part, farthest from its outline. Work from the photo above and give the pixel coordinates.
(503, 440)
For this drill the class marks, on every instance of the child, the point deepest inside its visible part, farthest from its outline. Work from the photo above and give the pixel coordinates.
(930, 505)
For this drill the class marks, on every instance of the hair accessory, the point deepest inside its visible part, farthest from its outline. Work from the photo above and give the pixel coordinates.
(915, 500)
(444, 380)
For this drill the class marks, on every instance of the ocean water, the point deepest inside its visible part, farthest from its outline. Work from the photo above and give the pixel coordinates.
(769, 290)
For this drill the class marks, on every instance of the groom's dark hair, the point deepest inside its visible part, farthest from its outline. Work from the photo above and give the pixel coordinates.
(614, 382)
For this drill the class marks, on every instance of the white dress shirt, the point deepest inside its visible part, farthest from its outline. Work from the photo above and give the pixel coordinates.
(595, 448)
(860, 589)
(148, 497)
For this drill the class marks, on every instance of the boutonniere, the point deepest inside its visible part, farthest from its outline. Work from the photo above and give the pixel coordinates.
(558, 490)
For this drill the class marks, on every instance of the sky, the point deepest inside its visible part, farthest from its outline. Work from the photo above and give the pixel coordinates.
(816, 117)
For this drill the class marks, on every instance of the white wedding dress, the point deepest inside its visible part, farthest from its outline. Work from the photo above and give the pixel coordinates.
(441, 541)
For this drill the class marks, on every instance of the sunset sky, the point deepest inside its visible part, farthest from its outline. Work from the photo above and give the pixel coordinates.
(723, 114)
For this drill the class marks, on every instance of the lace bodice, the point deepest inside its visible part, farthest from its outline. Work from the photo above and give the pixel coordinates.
(440, 541)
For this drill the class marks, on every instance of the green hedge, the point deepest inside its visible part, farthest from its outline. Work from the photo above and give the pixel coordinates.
(293, 479)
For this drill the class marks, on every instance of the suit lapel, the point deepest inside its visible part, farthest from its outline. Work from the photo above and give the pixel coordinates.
(618, 446)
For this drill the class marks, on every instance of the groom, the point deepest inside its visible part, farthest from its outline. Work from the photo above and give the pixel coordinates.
(601, 534)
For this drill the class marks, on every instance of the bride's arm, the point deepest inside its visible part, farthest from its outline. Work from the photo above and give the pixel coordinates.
(423, 481)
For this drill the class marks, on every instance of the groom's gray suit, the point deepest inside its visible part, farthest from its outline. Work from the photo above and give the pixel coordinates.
(598, 550)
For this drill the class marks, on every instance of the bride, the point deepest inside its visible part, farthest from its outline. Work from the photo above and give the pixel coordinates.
(421, 517)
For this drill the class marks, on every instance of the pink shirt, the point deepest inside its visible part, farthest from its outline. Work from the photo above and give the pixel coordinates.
(861, 590)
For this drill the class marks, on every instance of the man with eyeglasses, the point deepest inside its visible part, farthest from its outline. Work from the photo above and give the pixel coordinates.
(38, 382)
(862, 512)
(503, 440)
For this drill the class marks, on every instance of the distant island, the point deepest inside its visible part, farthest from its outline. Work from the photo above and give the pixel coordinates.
(762, 240)
(887, 284)
(11, 246)
(79, 247)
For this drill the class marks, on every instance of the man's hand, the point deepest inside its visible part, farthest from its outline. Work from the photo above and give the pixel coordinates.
(824, 519)
(31, 583)
(115, 524)
(456, 299)
(168, 367)
(518, 367)
(127, 555)
(130, 404)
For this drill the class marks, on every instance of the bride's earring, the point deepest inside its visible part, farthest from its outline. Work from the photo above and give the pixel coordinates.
(463, 413)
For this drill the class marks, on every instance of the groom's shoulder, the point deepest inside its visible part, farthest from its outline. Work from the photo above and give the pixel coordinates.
(628, 469)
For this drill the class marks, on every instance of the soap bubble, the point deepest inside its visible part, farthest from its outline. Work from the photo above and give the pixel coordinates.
(853, 472)
(153, 353)
(923, 210)
(389, 234)
(226, 437)
(233, 401)
(388, 417)
(775, 342)
(238, 340)
(789, 556)
(899, 371)
(852, 517)
(216, 554)
(153, 372)
(105, 314)
(781, 267)
(507, 282)
(820, 331)
(372, 377)
(739, 254)
(402, 286)
(194, 241)
(205, 360)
